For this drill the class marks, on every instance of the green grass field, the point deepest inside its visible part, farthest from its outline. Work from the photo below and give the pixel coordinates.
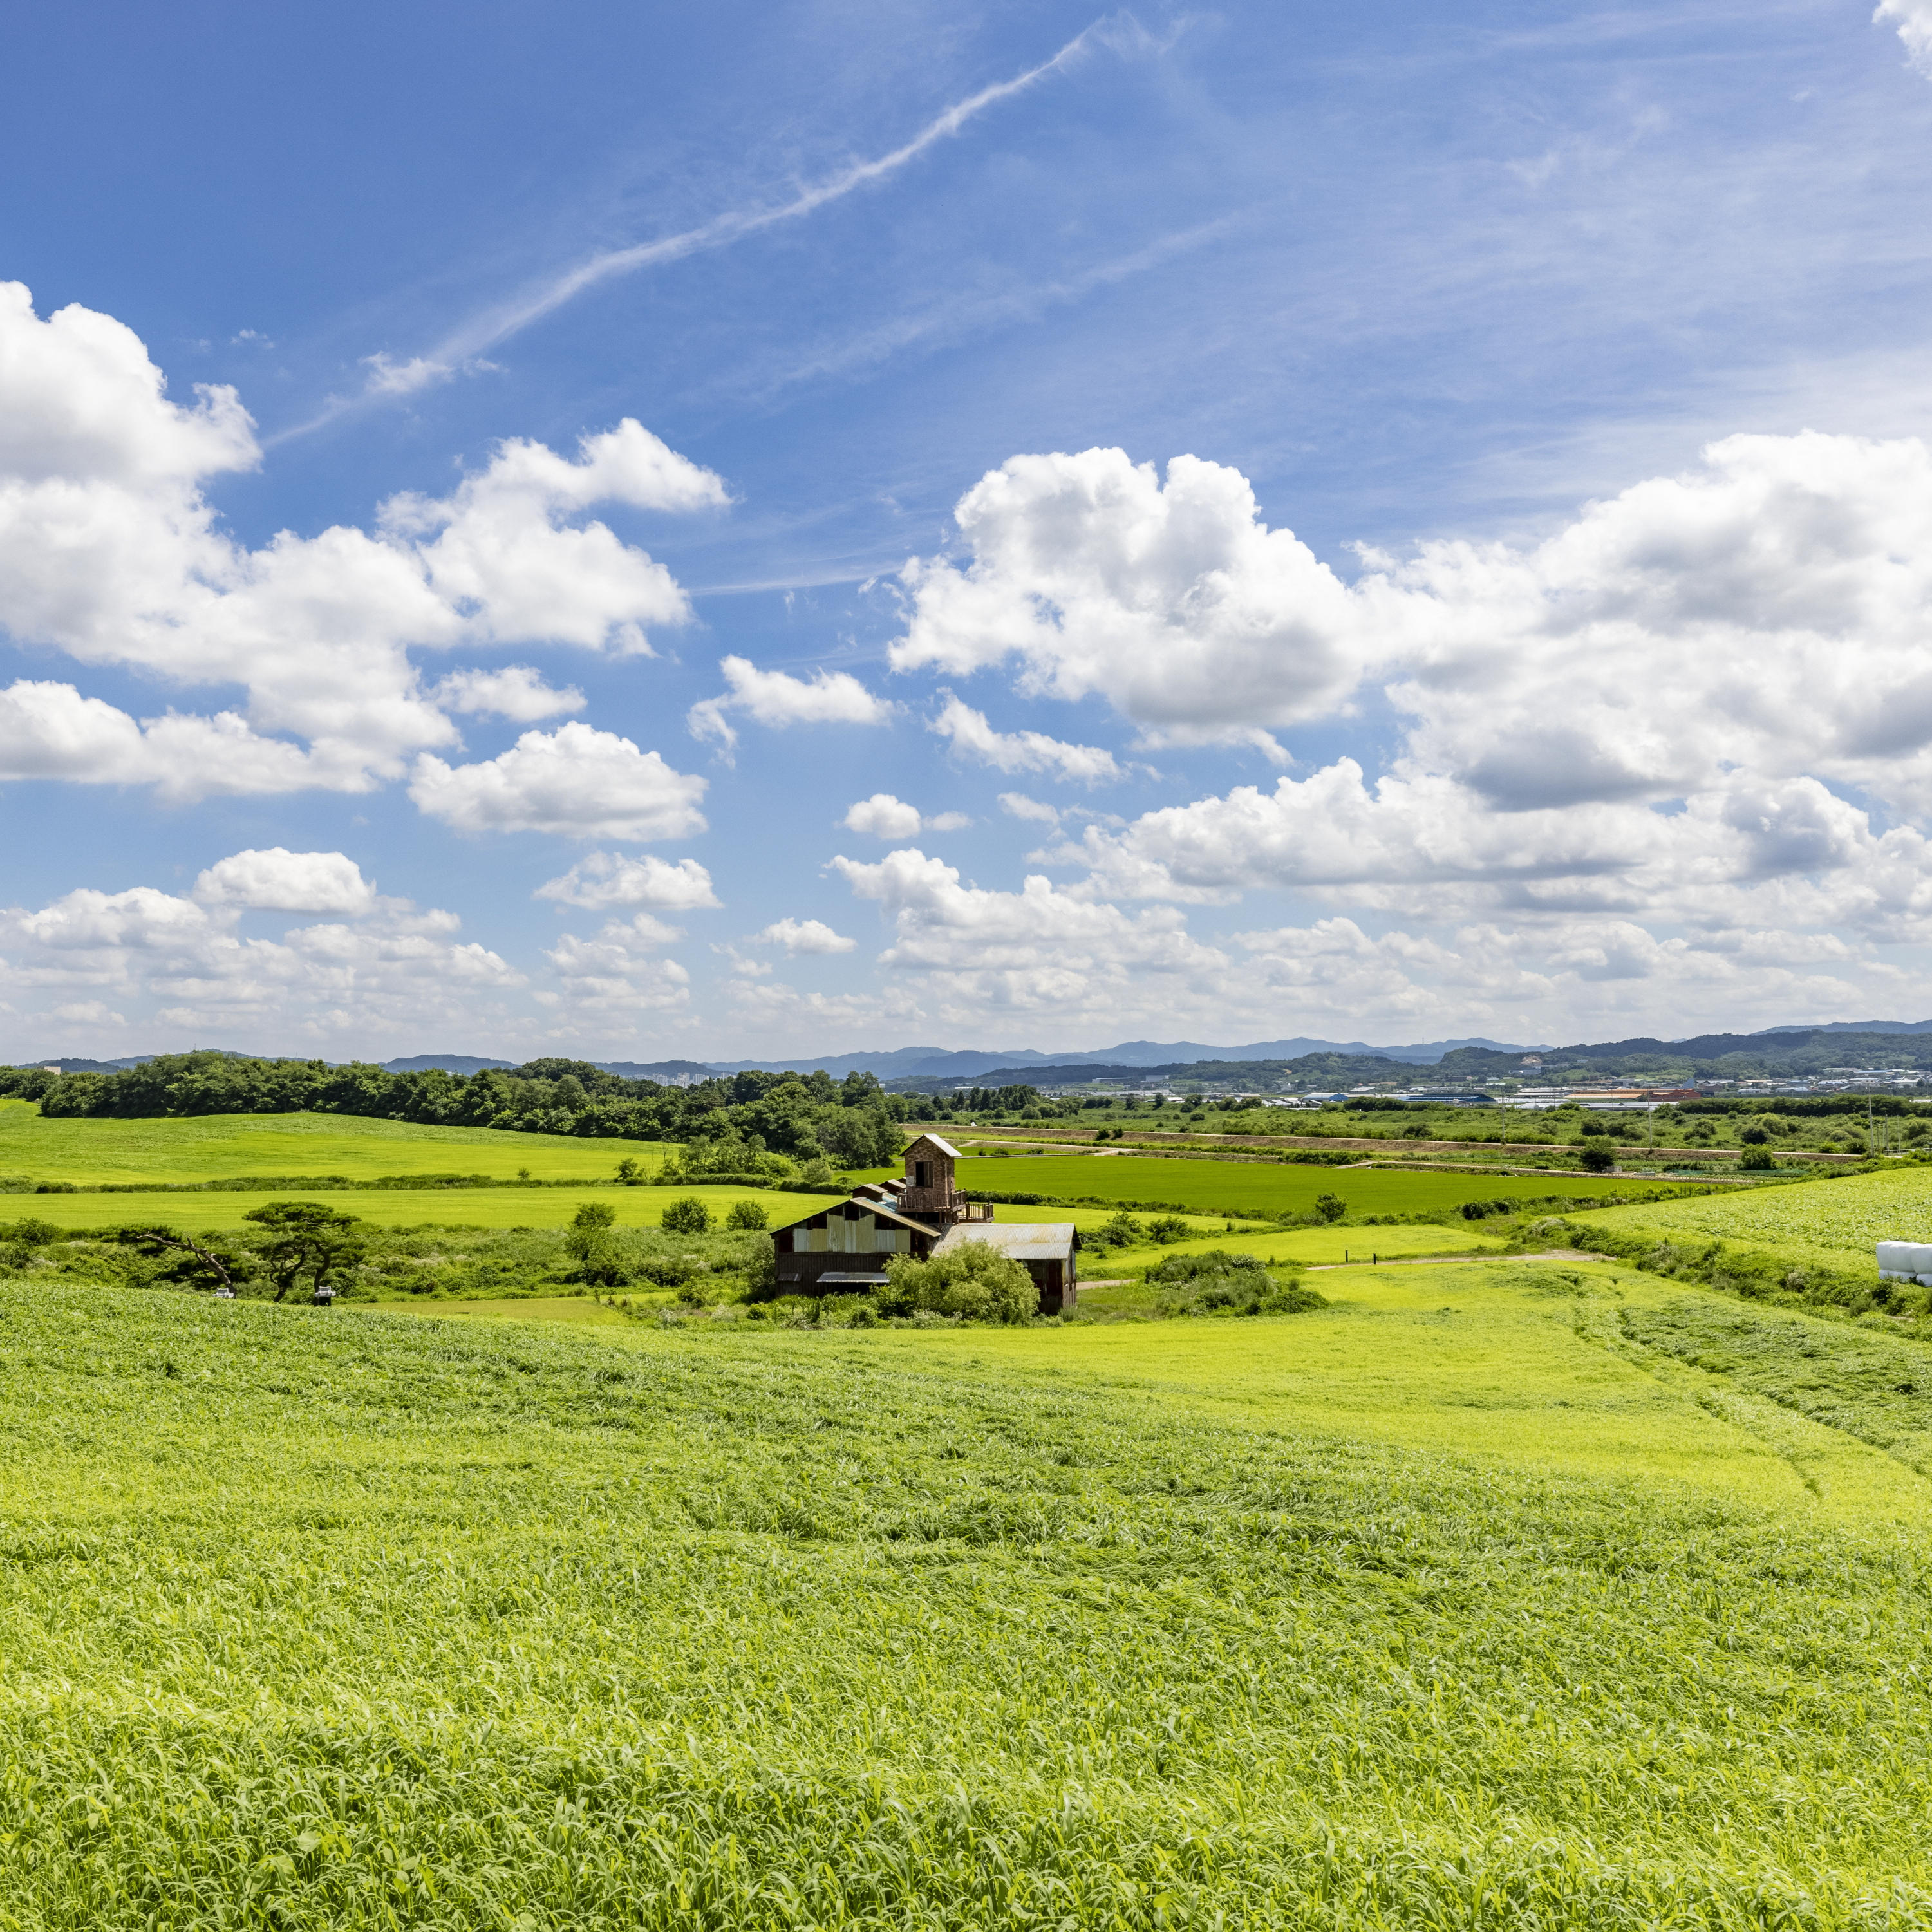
(1272, 1187)
(1840, 1221)
(1473, 1601)
(211, 1147)
(462, 1207)
(402, 1206)
(1317, 1246)
(579, 1310)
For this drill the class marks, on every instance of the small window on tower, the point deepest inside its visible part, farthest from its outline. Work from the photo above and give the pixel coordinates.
(921, 1174)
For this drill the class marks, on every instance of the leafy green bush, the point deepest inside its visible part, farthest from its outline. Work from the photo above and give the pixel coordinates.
(1120, 1231)
(1217, 1283)
(667, 1270)
(1167, 1228)
(600, 1262)
(687, 1215)
(1599, 1157)
(975, 1282)
(750, 1214)
(1331, 1207)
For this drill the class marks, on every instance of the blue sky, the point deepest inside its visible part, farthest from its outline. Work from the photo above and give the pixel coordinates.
(1383, 522)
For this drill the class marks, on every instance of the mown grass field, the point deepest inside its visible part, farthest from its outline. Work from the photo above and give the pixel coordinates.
(1472, 1601)
(1320, 1246)
(215, 1146)
(1272, 1187)
(1839, 1222)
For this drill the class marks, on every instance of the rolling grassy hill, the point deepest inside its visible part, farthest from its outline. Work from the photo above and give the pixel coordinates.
(213, 1146)
(1473, 1601)
(1839, 1221)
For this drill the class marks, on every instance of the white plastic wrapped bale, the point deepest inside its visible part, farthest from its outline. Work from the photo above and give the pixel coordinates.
(1905, 1261)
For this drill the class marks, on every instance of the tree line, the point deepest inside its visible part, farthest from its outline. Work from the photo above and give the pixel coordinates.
(749, 1123)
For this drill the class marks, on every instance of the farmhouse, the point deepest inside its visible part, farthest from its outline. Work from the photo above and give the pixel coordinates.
(845, 1248)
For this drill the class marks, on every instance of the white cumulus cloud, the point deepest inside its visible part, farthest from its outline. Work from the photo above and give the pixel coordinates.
(1039, 950)
(883, 816)
(971, 735)
(1913, 19)
(110, 553)
(181, 965)
(516, 692)
(601, 880)
(806, 935)
(280, 880)
(776, 698)
(576, 782)
(1017, 805)
(617, 974)
(1172, 600)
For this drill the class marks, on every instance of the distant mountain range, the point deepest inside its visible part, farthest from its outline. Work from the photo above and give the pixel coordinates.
(910, 1062)
(1773, 1050)
(903, 1062)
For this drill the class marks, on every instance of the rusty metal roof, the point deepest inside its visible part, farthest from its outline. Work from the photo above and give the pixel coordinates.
(1022, 1240)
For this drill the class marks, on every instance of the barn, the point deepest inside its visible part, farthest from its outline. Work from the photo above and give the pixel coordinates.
(846, 1247)
(1048, 1250)
(843, 1248)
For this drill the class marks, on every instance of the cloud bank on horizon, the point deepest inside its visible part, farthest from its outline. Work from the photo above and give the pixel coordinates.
(1661, 760)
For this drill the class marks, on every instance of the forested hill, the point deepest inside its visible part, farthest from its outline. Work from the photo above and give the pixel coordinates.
(1732, 1055)
(746, 1123)
(1737, 1055)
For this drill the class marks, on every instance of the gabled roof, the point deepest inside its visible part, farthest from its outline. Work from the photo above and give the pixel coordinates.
(877, 1210)
(946, 1147)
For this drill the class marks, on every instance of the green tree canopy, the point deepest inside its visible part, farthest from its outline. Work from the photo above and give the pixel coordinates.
(306, 1238)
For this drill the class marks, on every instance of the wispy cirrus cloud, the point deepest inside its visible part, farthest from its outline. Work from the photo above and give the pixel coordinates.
(461, 350)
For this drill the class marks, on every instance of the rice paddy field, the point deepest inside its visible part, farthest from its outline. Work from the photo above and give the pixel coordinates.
(1265, 1186)
(1837, 1221)
(1502, 1593)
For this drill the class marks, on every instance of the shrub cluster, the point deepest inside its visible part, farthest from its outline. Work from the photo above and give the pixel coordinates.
(1220, 1283)
(1123, 1230)
(975, 1282)
(360, 1262)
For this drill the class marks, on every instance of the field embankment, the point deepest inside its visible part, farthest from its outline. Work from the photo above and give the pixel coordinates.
(1467, 1601)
